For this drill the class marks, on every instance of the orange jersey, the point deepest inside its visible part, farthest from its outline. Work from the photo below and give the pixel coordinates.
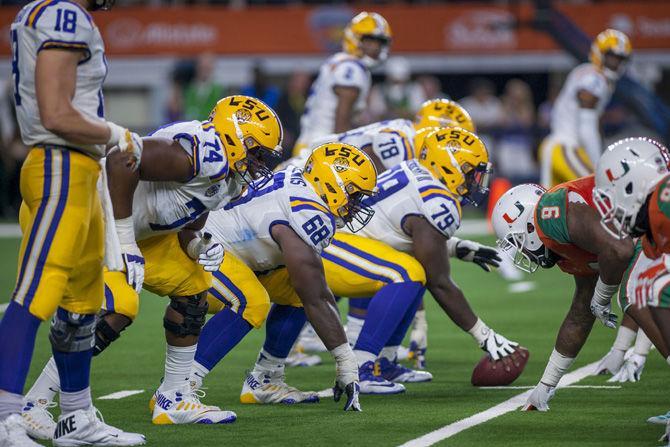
(551, 221)
(659, 221)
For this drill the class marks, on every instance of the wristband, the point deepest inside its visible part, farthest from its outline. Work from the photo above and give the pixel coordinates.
(125, 230)
(115, 133)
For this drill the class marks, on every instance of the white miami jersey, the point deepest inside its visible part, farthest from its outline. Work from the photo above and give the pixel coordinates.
(244, 226)
(410, 190)
(392, 141)
(165, 207)
(341, 70)
(56, 24)
(565, 116)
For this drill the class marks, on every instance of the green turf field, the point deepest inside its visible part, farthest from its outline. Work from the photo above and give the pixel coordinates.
(578, 417)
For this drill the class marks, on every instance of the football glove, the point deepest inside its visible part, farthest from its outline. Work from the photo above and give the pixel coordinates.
(482, 255)
(346, 377)
(352, 390)
(134, 262)
(611, 363)
(603, 312)
(208, 253)
(126, 141)
(539, 398)
(497, 346)
(631, 370)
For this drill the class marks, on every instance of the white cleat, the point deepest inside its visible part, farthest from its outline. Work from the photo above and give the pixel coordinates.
(183, 406)
(297, 358)
(395, 372)
(309, 341)
(403, 353)
(371, 381)
(13, 433)
(86, 427)
(38, 420)
(265, 387)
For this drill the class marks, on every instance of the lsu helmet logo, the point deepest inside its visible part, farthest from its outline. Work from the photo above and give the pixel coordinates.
(340, 164)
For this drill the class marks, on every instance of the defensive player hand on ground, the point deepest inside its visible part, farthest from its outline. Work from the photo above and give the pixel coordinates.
(207, 252)
(497, 346)
(126, 141)
(134, 262)
(611, 363)
(631, 370)
(539, 398)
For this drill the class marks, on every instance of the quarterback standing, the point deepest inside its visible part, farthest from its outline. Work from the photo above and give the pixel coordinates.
(58, 68)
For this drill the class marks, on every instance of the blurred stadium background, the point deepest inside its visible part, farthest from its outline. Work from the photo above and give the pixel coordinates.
(503, 60)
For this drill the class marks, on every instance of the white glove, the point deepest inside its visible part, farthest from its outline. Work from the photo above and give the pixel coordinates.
(134, 261)
(631, 370)
(539, 398)
(601, 303)
(497, 346)
(611, 363)
(208, 253)
(346, 379)
(126, 141)
(666, 435)
(471, 251)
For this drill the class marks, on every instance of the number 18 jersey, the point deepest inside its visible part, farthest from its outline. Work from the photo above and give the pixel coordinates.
(406, 190)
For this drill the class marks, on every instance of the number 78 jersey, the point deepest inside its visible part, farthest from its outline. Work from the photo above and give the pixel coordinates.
(408, 190)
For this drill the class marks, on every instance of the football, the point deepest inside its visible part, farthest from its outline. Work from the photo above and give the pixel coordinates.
(501, 372)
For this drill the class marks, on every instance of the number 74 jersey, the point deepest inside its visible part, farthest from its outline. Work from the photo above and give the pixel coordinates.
(406, 190)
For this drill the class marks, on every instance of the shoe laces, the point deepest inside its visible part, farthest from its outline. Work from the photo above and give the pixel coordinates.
(44, 407)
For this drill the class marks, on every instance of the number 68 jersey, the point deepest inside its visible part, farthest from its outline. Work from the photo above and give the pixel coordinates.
(408, 189)
(244, 226)
(165, 207)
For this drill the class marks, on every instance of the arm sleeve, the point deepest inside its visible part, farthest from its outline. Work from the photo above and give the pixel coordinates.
(350, 73)
(63, 26)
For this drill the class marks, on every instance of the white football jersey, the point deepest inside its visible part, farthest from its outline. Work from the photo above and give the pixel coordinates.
(565, 116)
(341, 70)
(406, 190)
(244, 226)
(165, 207)
(56, 24)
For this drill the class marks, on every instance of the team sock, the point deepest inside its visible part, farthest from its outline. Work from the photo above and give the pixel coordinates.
(79, 400)
(390, 353)
(268, 362)
(354, 327)
(178, 362)
(47, 384)
(282, 329)
(218, 337)
(18, 330)
(387, 309)
(624, 338)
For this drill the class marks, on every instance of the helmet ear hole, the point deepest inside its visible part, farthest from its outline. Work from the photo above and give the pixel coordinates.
(629, 188)
(530, 228)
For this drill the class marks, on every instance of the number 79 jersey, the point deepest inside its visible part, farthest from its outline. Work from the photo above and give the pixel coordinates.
(165, 207)
(407, 190)
(244, 226)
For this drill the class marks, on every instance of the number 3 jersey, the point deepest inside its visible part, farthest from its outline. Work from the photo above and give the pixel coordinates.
(165, 207)
(410, 190)
(62, 25)
(244, 226)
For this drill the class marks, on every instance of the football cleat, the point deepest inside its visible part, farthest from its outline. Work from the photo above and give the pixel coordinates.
(13, 433)
(265, 387)
(298, 358)
(38, 420)
(394, 372)
(86, 427)
(371, 381)
(183, 406)
(661, 419)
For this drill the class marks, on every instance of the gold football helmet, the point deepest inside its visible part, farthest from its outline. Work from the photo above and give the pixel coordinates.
(471, 157)
(343, 176)
(252, 134)
(613, 42)
(367, 24)
(442, 113)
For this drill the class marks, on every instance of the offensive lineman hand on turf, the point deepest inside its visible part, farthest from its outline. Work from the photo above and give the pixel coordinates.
(352, 391)
(603, 312)
(497, 346)
(482, 255)
(539, 398)
(134, 261)
(631, 369)
(611, 363)
(208, 253)
(126, 141)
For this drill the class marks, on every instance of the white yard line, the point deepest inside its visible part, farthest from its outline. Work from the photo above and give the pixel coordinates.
(594, 387)
(3, 307)
(120, 394)
(521, 287)
(10, 231)
(509, 405)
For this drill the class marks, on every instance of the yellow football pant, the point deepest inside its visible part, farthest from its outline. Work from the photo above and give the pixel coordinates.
(562, 163)
(61, 254)
(168, 271)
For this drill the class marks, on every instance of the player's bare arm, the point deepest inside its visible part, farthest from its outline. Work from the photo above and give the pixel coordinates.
(308, 278)
(346, 98)
(430, 250)
(578, 322)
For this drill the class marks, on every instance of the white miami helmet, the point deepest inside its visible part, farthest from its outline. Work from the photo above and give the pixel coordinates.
(626, 174)
(514, 226)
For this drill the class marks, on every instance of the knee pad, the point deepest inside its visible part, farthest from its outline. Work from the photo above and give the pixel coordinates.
(105, 334)
(72, 332)
(193, 309)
